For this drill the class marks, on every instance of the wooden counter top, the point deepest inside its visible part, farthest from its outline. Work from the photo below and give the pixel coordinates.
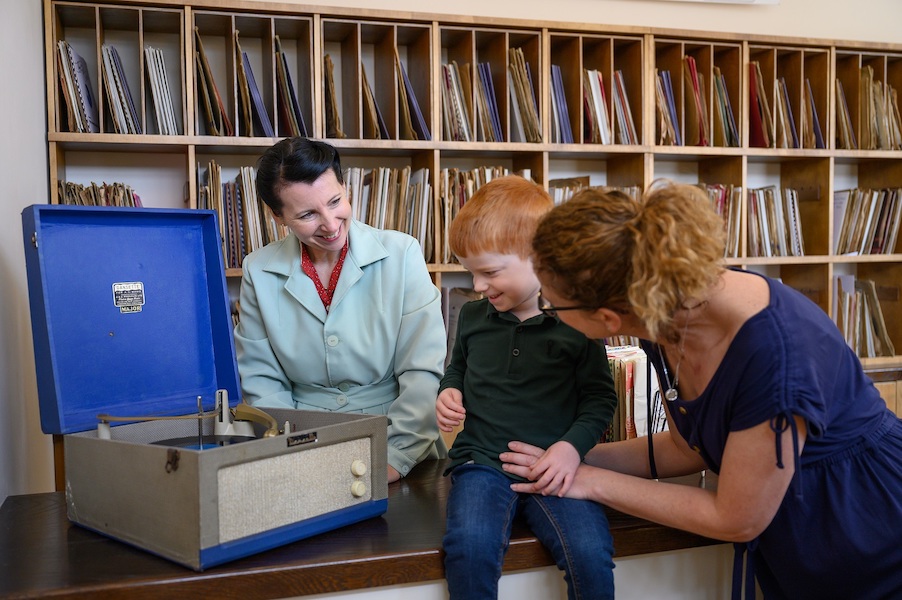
(42, 554)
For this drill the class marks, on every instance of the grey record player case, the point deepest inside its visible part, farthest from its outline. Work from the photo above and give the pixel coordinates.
(130, 316)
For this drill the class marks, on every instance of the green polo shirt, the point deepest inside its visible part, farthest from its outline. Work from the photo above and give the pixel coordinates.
(538, 381)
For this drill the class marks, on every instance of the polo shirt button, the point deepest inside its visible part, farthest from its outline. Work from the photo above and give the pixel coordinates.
(516, 352)
(344, 386)
(332, 340)
(341, 400)
(683, 410)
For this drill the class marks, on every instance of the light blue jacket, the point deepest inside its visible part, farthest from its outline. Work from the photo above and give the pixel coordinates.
(379, 350)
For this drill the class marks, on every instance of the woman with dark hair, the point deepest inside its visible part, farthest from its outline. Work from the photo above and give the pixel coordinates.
(759, 387)
(339, 316)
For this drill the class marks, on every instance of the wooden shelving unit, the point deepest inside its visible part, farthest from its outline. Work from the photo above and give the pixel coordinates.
(360, 40)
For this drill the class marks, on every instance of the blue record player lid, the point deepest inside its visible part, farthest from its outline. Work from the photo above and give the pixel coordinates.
(130, 312)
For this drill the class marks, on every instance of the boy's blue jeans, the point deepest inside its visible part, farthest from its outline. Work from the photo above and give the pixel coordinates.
(481, 511)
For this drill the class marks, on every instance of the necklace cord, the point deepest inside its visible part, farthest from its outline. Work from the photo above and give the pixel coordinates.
(672, 393)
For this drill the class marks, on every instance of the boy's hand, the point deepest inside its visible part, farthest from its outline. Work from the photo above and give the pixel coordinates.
(449, 409)
(554, 471)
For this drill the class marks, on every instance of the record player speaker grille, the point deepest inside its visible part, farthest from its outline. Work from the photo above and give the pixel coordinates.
(264, 494)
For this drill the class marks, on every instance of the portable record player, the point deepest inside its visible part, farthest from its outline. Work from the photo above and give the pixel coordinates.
(136, 368)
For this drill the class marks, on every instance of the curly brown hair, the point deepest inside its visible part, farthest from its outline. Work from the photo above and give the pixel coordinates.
(605, 249)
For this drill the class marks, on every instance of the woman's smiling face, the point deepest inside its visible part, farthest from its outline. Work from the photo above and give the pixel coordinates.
(318, 213)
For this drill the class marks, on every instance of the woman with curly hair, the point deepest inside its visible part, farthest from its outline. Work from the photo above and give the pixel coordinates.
(759, 387)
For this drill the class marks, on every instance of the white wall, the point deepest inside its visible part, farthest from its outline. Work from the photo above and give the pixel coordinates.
(25, 458)
(695, 574)
(872, 20)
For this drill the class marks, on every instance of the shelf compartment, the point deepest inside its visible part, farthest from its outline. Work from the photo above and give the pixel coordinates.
(718, 67)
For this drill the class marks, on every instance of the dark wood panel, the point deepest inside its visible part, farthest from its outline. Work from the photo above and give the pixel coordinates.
(42, 553)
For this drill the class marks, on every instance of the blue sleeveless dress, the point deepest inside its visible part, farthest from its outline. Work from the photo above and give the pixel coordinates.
(838, 532)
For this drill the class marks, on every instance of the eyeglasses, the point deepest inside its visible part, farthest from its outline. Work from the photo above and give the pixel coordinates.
(551, 311)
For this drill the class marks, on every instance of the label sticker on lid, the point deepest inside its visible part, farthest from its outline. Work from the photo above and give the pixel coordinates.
(128, 296)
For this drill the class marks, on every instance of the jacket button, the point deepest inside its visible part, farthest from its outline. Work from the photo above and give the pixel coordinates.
(344, 386)
(683, 410)
(516, 352)
(341, 400)
(696, 449)
(332, 340)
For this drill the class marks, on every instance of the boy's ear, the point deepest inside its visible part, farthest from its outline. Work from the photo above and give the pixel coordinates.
(611, 320)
